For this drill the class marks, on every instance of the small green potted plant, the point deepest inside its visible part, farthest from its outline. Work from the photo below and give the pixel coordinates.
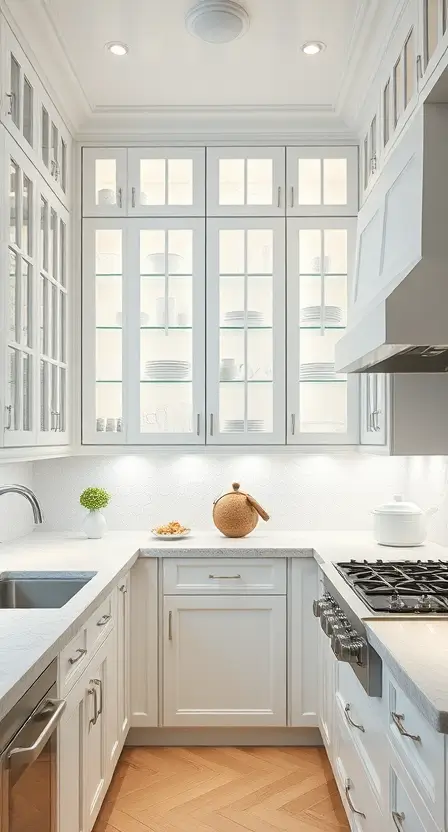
(94, 499)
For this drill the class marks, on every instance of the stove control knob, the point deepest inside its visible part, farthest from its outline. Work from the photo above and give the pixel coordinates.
(352, 650)
(328, 622)
(321, 605)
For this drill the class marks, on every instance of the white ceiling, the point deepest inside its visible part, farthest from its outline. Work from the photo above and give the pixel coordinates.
(166, 66)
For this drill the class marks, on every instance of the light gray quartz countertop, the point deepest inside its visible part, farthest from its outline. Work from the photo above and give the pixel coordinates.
(31, 639)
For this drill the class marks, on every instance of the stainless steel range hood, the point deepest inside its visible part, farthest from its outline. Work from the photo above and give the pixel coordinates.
(398, 322)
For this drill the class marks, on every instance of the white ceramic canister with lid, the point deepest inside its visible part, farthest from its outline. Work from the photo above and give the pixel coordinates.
(400, 523)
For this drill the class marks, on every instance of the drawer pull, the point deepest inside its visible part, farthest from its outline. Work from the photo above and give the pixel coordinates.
(350, 720)
(398, 720)
(348, 787)
(103, 620)
(170, 626)
(225, 577)
(94, 719)
(81, 652)
(99, 683)
(123, 589)
(398, 818)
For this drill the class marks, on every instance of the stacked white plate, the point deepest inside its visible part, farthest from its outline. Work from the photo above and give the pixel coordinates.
(318, 371)
(167, 370)
(237, 425)
(239, 317)
(330, 315)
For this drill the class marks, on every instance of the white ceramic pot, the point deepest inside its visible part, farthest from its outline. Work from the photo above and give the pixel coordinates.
(400, 523)
(95, 525)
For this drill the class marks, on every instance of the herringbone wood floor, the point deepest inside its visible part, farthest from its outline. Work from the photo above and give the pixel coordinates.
(222, 790)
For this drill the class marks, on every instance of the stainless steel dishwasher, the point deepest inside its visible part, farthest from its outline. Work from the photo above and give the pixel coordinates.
(28, 742)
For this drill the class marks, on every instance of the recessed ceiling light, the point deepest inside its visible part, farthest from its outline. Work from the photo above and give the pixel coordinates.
(217, 21)
(117, 48)
(313, 47)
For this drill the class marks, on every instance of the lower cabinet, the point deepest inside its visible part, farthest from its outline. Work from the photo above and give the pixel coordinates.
(124, 658)
(224, 661)
(302, 643)
(144, 626)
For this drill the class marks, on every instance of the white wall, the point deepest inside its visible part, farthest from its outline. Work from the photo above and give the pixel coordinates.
(427, 485)
(299, 491)
(16, 518)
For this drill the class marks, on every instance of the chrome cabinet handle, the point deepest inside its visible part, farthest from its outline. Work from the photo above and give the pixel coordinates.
(211, 424)
(348, 787)
(93, 720)
(123, 588)
(8, 408)
(279, 196)
(198, 424)
(293, 424)
(170, 626)
(81, 652)
(20, 758)
(419, 66)
(398, 818)
(225, 577)
(120, 197)
(99, 684)
(11, 96)
(292, 196)
(103, 620)
(350, 720)
(133, 197)
(398, 720)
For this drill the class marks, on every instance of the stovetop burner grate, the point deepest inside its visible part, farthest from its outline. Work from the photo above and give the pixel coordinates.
(399, 586)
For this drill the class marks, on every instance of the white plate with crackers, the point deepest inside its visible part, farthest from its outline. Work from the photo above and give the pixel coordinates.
(171, 531)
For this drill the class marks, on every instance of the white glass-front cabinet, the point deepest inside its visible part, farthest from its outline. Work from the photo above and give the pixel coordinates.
(322, 181)
(144, 331)
(245, 331)
(36, 300)
(247, 181)
(434, 35)
(321, 403)
(105, 180)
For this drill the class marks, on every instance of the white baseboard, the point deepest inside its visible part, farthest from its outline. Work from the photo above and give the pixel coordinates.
(224, 736)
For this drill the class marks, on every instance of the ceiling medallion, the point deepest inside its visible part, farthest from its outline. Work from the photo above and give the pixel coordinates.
(217, 21)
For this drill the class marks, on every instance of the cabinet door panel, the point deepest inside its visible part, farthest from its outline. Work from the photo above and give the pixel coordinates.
(245, 181)
(166, 181)
(104, 176)
(144, 644)
(224, 661)
(322, 181)
(303, 635)
(124, 658)
(246, 308)
(71, 761)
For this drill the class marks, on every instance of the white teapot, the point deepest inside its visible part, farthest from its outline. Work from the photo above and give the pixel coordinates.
(400, 523)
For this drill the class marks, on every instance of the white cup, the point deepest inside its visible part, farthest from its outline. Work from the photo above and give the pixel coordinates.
(106, 196)
(111, 424)
(100, 424)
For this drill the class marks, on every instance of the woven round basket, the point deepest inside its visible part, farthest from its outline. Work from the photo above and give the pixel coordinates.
(236, 513)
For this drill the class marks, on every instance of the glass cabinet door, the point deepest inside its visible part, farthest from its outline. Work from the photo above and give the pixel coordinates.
(322, 181)
(165, 340)
(247, 181)
(20, 89)
(104, 177)
(245, 331)
(322, 404)
(19, 415)
(166, 181)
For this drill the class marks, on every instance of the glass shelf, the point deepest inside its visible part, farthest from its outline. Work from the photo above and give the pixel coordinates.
(322, 381)
(325, 274)
(157, 328)
(108, 381)
(165, 381)
(248, 327)
(246, 381)
(109, 274)
(162, 275)
(303, 326)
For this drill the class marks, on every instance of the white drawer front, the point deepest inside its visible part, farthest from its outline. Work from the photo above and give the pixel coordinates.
(422, 752)
(72, 661)
(360, 803)
(221, 576)
(101, 623)
(405, 808)
(365, 723)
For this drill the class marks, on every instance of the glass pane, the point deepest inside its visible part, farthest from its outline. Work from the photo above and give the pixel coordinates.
(62, 326)
(259, 355)
(28, 111)
(44, 233)
(310, 251)
(108, 355)
(335, 251)
(373, 143)
(366, 161)
(444, 15)
(260, 410)
(12, 408)
(231, 307)
(108, 251)
(54, 320)
(54, 164)
(310, 187)
(109, 407)
(26, 391)
(180, 182)
(14, 310)
(44, 317)
(335, 181)
(259, 181)
(432, 27)
(180, 251)
(231, 251)
(63, 165)
(231, 407)
(15, 92)
(105, 182)
(259, 300)
(62, 399)
(26, 301)
(45, 138)
(152, 253)
(386, 114)
(323, 407)
(152, 181)
(409, 64)
(166, 408)
(231, 181)
(62, 253)
(27, 236)
(398, 89)
(108, 301)
(260, 251)
(54, 261)
(45, 421)
(13, 203)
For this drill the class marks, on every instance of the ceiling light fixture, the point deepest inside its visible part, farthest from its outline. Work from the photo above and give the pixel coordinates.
(217, 21)
(117, 48)
(313, 47)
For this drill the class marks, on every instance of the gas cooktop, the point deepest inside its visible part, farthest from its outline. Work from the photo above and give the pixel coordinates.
(403, 587)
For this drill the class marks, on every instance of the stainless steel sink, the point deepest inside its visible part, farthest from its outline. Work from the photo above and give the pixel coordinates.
(43, 590)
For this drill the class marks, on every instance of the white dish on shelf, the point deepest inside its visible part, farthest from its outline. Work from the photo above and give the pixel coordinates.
(171, 536)
(156, 263)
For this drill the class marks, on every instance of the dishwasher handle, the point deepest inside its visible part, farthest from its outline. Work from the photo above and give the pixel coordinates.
(19, 759)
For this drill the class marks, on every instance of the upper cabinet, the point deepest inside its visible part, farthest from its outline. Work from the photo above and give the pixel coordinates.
(434, 36)
(31, 117)
(322, 181)
(245, 181)
(142, 182)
